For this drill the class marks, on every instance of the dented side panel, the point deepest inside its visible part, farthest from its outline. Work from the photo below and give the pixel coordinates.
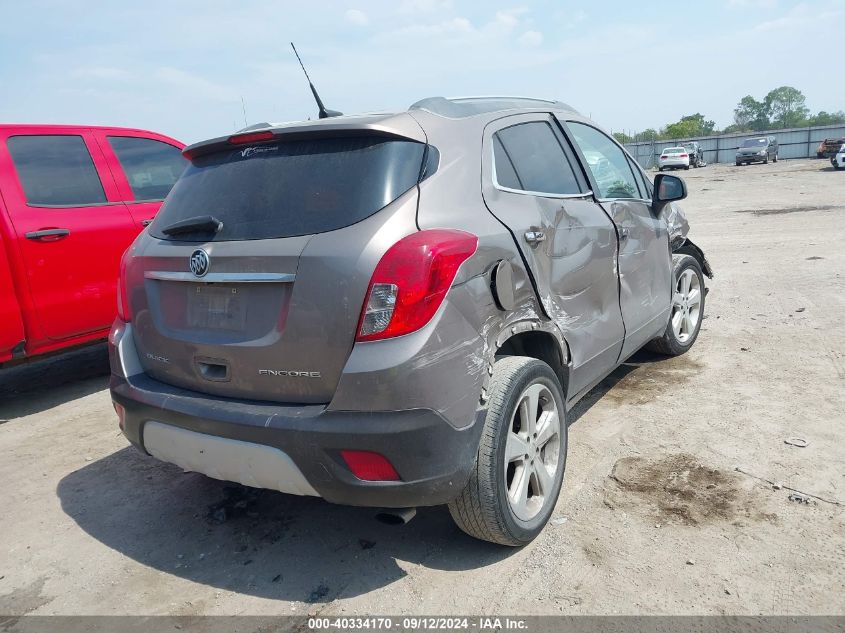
(573, 269)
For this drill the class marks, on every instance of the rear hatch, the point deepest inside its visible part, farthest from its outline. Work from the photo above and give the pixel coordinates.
(267, 307)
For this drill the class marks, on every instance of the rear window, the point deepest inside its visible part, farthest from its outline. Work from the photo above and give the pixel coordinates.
(755, 142)
(56, 171)
(151, 167)
(674, 150)
(285, 189)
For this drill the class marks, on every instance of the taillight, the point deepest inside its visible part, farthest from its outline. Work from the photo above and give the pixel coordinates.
(124, 310)
(411, 281)
(252, 137)
(664, 157)
(369, 466)
(682, 155)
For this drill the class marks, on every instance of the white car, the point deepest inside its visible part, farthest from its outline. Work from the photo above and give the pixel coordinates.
(838, 161)
(673, 158)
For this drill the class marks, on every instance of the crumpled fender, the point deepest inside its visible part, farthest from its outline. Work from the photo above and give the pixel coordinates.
(676, 222)
(690, 248)
(678, 226)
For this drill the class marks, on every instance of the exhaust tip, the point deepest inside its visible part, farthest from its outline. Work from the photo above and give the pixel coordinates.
(395, 516)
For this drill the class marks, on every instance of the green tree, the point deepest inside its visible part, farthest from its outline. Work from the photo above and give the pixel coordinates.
(787, 107)
(827, 118)
(751, 114)
(648, 134)
(690, 126)
(622, 137)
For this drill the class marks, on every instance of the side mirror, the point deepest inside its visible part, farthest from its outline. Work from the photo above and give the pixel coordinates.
(667, 189)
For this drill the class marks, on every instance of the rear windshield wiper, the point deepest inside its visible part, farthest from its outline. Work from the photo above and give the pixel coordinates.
(198, 224)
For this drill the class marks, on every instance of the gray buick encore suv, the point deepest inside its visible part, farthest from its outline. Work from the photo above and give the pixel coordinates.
(398, 310)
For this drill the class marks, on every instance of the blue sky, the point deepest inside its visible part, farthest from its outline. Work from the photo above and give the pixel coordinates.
(182, 67)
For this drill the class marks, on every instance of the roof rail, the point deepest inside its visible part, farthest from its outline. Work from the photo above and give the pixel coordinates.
(460, 107)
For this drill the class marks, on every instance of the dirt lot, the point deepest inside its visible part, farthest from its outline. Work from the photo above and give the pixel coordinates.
(653, 517)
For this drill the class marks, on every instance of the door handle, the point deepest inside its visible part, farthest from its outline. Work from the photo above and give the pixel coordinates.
(534, 237)
(40, 235)
(146, 222)
(624, 232)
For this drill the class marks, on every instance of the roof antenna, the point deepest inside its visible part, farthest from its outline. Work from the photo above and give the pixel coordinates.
(324, 113)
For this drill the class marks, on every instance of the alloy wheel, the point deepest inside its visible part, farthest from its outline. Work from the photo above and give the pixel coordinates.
(532, 452)
(686, 305)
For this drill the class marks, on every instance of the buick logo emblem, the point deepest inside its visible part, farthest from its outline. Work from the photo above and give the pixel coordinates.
(199, 262)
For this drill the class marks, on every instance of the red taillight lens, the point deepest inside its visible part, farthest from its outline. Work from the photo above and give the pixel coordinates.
(411, 281)
(682, 155)
(369, 466)
(124, 310)
(252, 137)
(664, 157)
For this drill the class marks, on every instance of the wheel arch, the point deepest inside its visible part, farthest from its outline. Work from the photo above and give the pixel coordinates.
(693, 250)
(543, 346)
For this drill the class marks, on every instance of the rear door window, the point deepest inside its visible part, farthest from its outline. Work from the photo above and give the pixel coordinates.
(56, 170)
(529, 157)
(151, 167)
(286, 189)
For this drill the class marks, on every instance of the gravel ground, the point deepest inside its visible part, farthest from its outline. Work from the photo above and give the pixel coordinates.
(654, 518)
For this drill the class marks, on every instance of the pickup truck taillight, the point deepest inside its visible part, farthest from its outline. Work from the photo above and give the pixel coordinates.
(411, 281)
(124, 311)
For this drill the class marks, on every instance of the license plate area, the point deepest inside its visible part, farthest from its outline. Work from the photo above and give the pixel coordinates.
(217, 307)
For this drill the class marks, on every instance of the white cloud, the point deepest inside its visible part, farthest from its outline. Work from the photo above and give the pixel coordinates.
(531, 38)
(195, 84)
(357, 17)
(107, 73)
(799, 17)
(424, 6)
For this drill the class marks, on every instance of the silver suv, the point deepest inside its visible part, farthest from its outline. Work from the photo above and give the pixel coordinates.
(399, 310)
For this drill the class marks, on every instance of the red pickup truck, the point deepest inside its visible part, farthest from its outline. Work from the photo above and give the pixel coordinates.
(72, 199)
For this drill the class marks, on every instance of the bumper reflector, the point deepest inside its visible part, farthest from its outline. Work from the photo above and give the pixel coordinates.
(369, 466)
(121, 414)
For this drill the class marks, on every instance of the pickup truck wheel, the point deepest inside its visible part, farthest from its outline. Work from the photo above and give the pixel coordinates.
(514, 486)
(687, 308)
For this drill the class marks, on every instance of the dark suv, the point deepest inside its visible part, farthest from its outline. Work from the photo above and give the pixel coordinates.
(398, 310)
(760, 149)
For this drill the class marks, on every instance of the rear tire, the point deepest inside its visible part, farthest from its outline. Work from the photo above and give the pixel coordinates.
(775, 159)
(513, 489)
(738, 164)
(687, 311)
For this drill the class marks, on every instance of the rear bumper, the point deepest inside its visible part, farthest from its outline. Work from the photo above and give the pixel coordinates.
(433, 458)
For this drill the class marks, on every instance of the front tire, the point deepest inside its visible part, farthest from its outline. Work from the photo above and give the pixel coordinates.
(513, 489)
(687, 308)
